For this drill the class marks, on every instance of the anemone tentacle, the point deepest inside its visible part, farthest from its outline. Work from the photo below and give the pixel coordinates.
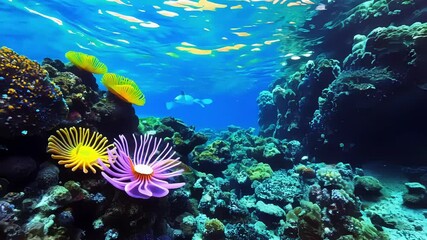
(86, 62)
(79, 149)
(144, 174)
(124, 88)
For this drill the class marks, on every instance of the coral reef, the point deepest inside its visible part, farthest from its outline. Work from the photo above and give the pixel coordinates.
(341, 111)
(259, 171)
(345, 20)
(88, 106)
(78, 96)
(296, 99)
(30, 102)
(183, 138)
(110, 111)
(249, 199)
(35, 101)
(214, 157)
(214, 229)
(380, 86)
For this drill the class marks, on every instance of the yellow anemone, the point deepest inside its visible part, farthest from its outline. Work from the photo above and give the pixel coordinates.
(86, 62)
(124, 88)
(79, 149)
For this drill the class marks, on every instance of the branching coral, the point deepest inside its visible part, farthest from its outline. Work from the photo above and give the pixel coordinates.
(78, 149)
(29, 102)
(142, 174)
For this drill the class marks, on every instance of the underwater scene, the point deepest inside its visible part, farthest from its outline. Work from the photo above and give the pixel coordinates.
(213, 120)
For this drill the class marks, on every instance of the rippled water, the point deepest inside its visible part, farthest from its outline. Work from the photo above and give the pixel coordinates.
(149, 41)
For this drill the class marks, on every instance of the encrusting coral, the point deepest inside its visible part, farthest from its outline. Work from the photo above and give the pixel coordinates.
(259, 171)
(29, 102)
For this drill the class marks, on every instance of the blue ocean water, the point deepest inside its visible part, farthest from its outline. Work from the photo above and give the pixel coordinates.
(139, 40)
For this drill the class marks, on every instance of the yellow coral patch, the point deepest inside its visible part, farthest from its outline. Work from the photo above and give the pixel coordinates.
(124, 88)
(86, 62)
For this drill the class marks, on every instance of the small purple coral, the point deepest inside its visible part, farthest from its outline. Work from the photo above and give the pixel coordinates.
(142, 175)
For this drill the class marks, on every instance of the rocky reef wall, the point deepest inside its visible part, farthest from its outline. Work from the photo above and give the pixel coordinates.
(362, 98)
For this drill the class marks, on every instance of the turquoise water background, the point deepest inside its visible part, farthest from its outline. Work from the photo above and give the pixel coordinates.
(138, 42)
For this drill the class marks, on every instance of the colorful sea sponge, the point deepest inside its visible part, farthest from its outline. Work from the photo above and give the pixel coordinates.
(29, 102)
(142, 173)
(79, 149)
(259, 171)
(305, 172)
(124, 88)
(86, 62)
(214, 229)
(329, 177)
(363, 230)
